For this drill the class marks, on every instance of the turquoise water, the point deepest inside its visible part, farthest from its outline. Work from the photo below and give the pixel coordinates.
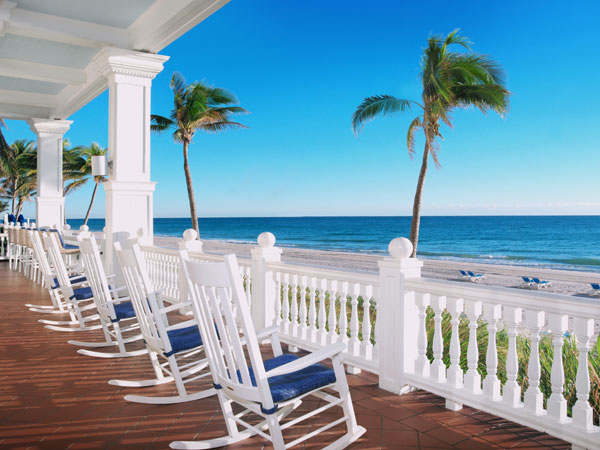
(565, 242)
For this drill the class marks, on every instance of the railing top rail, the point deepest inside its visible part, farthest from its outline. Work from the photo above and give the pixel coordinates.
(323, 272)
(544, 301)
(207, 256)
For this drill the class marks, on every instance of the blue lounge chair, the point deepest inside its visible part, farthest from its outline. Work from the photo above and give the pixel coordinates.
(541, 283)
(476, 276)
(528, 281)
(595, 288)
(464, 275)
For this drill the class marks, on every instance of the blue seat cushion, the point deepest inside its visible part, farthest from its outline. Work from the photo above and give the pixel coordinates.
(124, 311)
(82, 293)
(184, 339)
(292, 385)
(73, 280)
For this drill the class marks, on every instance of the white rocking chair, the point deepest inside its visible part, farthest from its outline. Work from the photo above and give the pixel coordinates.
(174, 350)
(72, 291)
(269, 388)
(112, 309)
(59, 306)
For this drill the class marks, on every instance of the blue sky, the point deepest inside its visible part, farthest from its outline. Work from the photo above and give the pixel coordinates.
(301, 68)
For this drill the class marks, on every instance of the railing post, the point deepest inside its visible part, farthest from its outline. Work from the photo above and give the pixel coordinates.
(264, 292)
(397, 316)
(192, 244)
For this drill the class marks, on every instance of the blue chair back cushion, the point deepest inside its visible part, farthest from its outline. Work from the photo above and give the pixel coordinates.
(123, 311)
(184, 339)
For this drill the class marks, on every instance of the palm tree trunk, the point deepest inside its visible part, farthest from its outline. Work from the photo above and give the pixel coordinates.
(416, 218)
(190, 188)
(87, 214)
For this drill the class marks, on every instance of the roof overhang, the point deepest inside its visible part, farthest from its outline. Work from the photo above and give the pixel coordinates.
(49, 50)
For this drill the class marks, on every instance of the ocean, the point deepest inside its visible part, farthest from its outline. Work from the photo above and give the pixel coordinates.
(560, 242)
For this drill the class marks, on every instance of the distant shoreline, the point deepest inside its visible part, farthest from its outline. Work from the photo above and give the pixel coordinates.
(566, 282)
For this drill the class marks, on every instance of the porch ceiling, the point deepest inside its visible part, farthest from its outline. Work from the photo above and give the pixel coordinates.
(47, 48)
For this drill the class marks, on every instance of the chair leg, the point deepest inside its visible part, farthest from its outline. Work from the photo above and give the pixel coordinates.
(275, 432)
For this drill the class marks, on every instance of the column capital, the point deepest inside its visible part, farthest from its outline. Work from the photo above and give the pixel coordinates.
(116, 61)
(49, 126)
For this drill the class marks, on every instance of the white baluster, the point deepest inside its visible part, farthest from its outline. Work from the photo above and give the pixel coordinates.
(322, 333)
(366, 346)
(438, 368)
(491, 383)
(557, 404)
(422, 365)
(312, 311)
(534, 400)
(302, 289)
(285, 303)
(455, 307)
(354, 343)
(332, 288)
(294, 284)
(472, 377)
(583, 414)
(343, 290)
(277, 298)
(377, 332)
(512, 391)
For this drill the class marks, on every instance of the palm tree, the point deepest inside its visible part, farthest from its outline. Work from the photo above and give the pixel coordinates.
(450, 80)
(19, 183)
(83, 165)
(197, 106)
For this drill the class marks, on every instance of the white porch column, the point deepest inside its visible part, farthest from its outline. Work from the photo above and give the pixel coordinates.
(50, 201)
(128, 190)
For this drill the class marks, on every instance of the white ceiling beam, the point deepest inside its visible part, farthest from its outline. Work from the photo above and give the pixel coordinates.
(28, 98)
(23, 112)
(61, 29)
(41, 72)
(167, 20)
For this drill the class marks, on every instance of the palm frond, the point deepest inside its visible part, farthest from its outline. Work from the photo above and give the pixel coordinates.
(158, 124)
(455, 38)
(215, 127)
(74, 185)
(410, 137)
(372, 107)
(484, 97)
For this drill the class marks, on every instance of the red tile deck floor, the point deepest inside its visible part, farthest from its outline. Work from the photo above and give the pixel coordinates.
(53, 398)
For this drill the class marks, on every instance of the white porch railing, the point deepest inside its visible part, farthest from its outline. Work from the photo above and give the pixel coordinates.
(488, 347)
(3, 246)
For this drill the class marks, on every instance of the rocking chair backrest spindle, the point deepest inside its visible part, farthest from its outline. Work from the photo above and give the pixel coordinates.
(144, 298)
(96, 277)
(58, 263)
(217, 292)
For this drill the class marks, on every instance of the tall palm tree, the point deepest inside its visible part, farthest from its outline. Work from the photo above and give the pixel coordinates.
(196, 106)
(450, 80)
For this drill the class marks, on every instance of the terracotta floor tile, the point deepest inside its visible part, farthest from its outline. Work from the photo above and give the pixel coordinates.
(53, 398)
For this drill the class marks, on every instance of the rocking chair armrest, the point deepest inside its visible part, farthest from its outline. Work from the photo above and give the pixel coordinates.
(177, 326)
(266, 333)
(174, 307)
(308, 360)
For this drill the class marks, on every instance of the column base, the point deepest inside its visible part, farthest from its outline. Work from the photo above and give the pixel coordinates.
(50, 212)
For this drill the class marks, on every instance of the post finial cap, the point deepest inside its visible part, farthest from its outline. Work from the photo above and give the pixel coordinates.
(400, 248)
(266, 240)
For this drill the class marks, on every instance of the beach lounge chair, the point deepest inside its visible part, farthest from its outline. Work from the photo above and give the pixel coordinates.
(464, 275)
(476, 276)
(268, 388)
(541, 283)
(528, 282)
(595, 289)
(176, 350)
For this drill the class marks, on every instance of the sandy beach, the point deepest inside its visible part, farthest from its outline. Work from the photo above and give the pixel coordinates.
(565, 282)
